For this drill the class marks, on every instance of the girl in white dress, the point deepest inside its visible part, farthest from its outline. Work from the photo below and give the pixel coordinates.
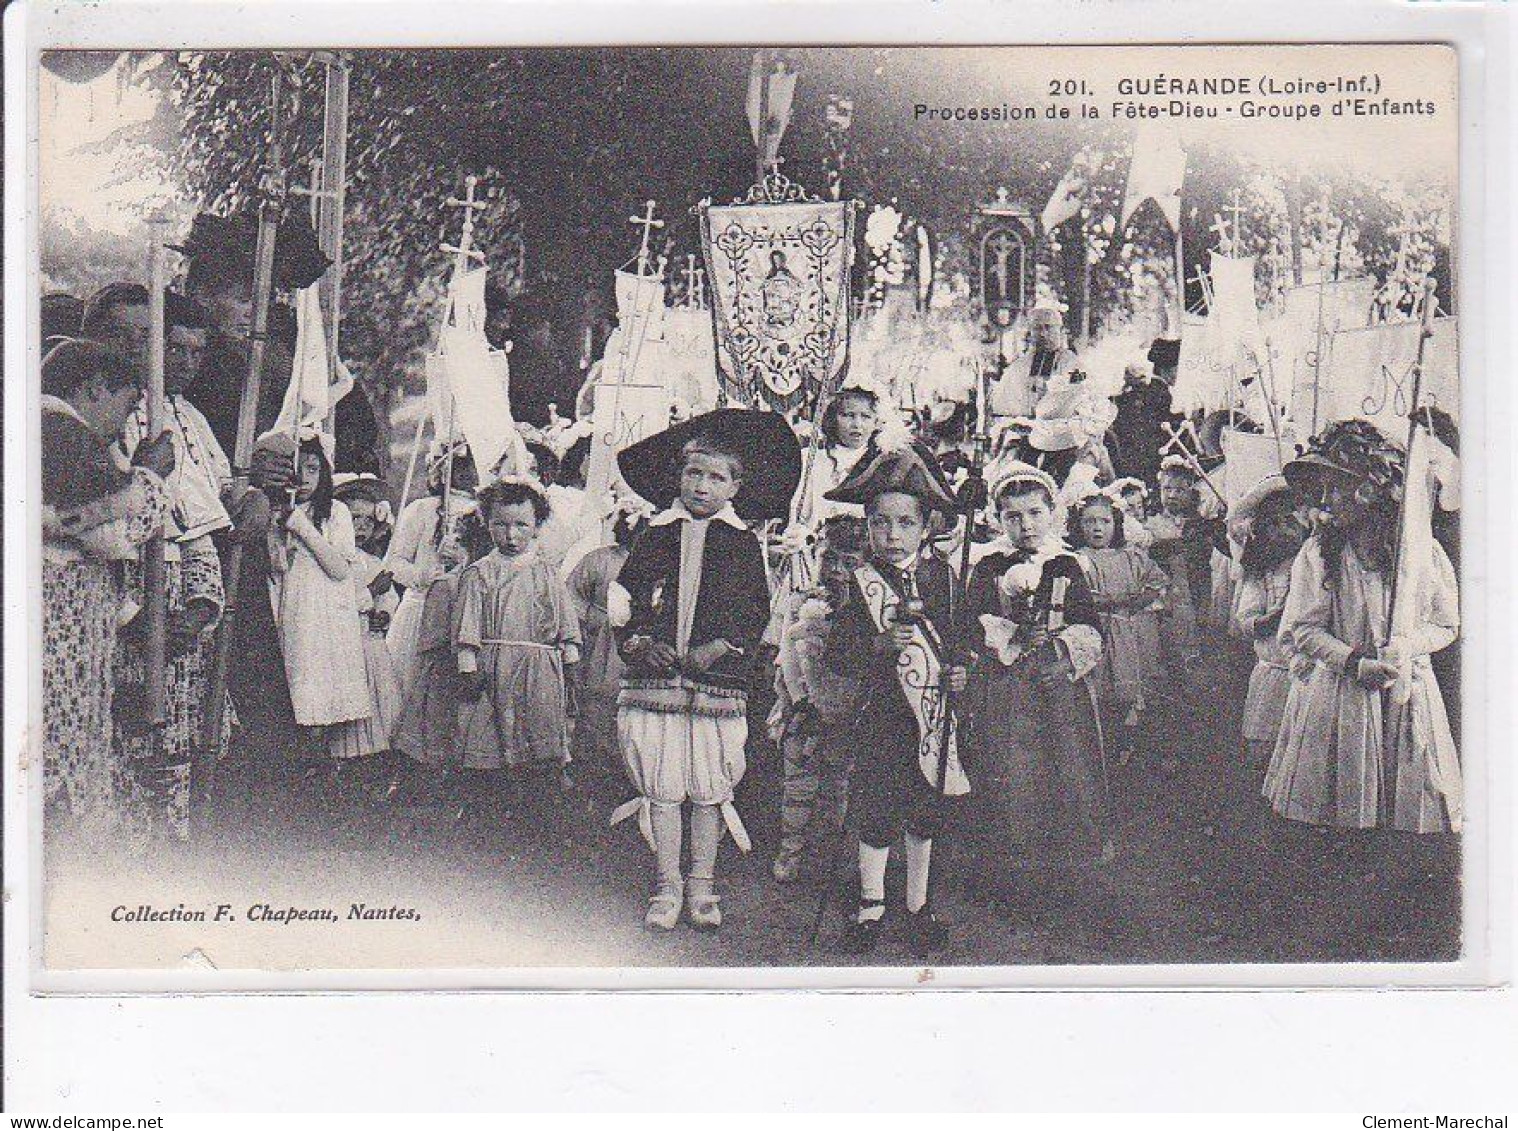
(311, 552)
(1265, 523)
(374, 591)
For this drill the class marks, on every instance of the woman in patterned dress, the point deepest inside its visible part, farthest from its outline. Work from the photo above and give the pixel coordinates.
(94, 517)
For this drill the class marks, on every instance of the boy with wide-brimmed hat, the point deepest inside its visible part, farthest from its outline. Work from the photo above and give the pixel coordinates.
(698, 599)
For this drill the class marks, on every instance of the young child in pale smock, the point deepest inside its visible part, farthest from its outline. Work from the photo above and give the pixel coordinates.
(517, 640)
(1128, 590)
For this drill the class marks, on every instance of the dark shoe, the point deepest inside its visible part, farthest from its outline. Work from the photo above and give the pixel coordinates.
(861, 936)
(925, 934)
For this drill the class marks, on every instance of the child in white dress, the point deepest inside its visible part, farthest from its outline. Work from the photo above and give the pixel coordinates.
(311, 550)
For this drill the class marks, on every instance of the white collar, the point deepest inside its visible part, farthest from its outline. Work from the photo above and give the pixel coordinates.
(678, 513)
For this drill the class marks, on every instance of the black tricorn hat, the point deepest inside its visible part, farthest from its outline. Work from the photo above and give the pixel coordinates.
(762, 441)
(227, 246)
(1165, 353)
(907, 468)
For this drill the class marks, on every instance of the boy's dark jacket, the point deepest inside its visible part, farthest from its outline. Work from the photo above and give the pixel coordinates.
(851, 648)
(733, 603)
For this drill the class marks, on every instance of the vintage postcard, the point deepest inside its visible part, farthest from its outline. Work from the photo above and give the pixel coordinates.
(716, 515)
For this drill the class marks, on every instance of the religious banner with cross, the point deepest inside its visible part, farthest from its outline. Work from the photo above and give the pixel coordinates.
(1007, 240)
(631, 385)
(468, 380)
(778, 269)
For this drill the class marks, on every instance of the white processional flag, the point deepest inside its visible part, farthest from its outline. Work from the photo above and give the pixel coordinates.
(469, 381)
(1156, 173)
(314, 388)
(1064, 201)
(782, 90)
(1369, 373)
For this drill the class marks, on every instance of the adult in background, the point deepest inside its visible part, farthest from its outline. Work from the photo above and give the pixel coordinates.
(197, 489)
(219, 277)
(539, 376)
(1047, 356)
(1143, 409)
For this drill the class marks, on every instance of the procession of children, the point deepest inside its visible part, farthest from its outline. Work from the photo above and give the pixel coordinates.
(980, 684)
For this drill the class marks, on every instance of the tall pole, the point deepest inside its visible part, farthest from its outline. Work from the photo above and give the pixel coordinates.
(1085, 284)
(153, 569)
(1425, 332)
(334, 185)
(463, 252)
(1180, 277)
(761, 58)
(272, 188)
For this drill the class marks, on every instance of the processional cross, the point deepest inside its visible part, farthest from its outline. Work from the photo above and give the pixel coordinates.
(692, 282)
(316, 191)
(464, 251)
(1219, 228)
(1204, 282)
(648, 224)
(1237, 209)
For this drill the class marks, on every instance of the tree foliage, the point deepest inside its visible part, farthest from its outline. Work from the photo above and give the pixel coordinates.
(570, 143)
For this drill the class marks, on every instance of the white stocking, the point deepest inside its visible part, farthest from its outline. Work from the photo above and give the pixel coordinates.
(872, 870)
(919, 863)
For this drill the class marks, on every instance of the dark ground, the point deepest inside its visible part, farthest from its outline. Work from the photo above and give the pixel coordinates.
(1203, 874)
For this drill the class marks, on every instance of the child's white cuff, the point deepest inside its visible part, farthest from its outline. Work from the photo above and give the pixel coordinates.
(1083, 647)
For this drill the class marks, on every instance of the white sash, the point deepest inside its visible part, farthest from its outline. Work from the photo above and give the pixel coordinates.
(919, 670)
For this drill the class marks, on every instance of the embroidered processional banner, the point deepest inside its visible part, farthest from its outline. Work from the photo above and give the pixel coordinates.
(1369, 373)
(779, 274)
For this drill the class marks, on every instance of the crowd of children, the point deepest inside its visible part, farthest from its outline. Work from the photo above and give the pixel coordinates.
(989, 696)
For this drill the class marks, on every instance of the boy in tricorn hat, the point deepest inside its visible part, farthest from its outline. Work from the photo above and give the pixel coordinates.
(894, 636)
(695, 586)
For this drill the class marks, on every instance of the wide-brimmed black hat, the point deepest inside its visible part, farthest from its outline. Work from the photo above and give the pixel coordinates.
(62, 315)
(762, 441)
(227, 246)
(906, 467)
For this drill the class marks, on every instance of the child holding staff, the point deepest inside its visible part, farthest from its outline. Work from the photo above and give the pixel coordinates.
(894, 635)
(1365, 742)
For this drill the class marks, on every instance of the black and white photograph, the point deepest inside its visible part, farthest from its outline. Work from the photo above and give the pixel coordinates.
(747, 509)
